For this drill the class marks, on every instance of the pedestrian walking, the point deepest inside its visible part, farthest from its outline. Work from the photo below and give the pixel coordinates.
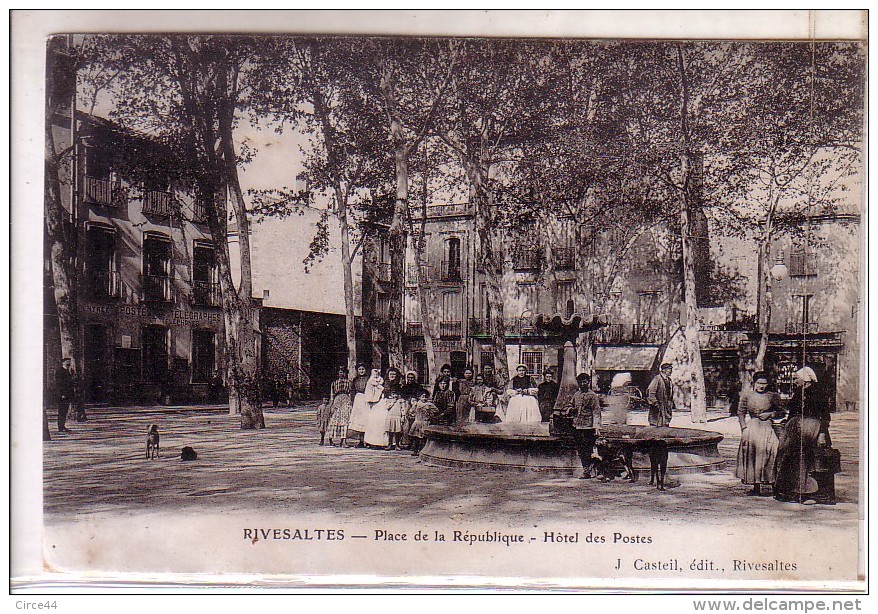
(65, 391)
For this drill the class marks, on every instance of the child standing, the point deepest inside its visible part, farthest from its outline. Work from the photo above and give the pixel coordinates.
(423, 411)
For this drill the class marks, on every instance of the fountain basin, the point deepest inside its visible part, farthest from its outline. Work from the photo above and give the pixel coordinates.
(530, 447)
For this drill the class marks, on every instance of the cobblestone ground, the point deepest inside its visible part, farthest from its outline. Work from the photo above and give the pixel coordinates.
(100, 469)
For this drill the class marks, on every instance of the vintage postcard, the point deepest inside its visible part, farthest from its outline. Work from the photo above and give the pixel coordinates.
(536, 299)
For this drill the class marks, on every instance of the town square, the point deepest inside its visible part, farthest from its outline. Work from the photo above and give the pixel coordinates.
(580, 309)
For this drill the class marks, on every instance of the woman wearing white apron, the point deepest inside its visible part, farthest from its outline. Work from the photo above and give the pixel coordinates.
(376, 419)
(523, 405)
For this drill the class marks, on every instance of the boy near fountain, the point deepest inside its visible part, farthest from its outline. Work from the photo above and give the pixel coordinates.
(585, 409)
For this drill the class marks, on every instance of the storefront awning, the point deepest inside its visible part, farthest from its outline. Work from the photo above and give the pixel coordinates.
(627, 358)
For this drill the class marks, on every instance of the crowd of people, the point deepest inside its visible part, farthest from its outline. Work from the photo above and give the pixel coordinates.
(390, 412)
(779, 437)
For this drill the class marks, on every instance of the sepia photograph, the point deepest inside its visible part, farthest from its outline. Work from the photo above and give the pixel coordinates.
(332, 307)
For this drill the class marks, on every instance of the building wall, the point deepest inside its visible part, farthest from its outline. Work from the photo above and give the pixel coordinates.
(115, 319)
(833, 281)
(544, 266)
(307, 347)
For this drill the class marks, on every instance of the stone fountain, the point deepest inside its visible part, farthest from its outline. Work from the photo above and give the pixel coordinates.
(531, 447)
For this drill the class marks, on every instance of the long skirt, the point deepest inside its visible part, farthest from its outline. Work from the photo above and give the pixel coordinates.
(462, 410)
(376, 421)
(617, 407)
(757, 453)
(395, 417)
(523, 408)
(417, 429)
(324, 413)
(359, 413)
(795, 458)
(341, 415)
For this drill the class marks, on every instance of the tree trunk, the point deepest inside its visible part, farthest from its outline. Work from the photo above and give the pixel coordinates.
(419, 244)
(61, 250)
(764, 293)
(690, 319)
(398, 242)
(483, 217)
(240, 319)
(398, 227)
(690, 201)
(349, 318)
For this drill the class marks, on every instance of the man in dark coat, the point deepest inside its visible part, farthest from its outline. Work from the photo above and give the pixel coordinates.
(585, 409)
(660, 396)
(65, 389)
(547, 392)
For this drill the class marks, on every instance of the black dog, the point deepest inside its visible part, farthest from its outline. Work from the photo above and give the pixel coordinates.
(152, 442)
(658, 462)
(188, 454)
(614, 459)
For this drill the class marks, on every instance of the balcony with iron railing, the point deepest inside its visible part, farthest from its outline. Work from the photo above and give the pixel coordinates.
(451, 271)
(802, 328)
(450, 329)
(156, 289)
(442, 210)
(414, 329)
(103, 285)
(206, 294)
(646, 333)
(618, 334)
(565, 258)
(106, 192)
(527, 258)
(158, 203)
(512, 326)
(412, 274)
(610, 334)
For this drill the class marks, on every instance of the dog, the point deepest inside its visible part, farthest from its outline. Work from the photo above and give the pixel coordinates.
(613, 460)
(188, 454)
(152, 442)
(658, 463)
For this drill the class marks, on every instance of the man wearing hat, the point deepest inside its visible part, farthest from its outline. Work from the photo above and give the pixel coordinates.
(660, 396)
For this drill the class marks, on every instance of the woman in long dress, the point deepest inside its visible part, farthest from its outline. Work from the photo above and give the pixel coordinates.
(375, 435)
(463, 389)
(758, 449)
(523, 405)
(397, 408)
(360, 409)
(618, 399)
(797, 449)
(340, 393)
